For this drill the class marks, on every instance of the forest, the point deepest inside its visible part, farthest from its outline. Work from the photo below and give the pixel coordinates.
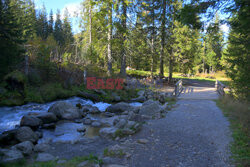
(120, 38)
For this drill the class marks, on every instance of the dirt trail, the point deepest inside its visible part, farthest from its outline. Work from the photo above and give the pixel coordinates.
(195, 133)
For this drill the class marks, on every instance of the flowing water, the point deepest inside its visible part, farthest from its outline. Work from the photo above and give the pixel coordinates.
(10, 116)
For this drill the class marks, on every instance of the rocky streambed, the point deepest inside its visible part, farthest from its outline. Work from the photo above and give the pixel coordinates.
(73, 127)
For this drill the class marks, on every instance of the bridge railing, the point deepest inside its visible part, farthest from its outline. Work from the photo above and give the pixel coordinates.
(220, 88)
(178, 88)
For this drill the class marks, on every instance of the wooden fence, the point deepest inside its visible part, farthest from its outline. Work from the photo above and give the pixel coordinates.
(220, 88)
(178, 88)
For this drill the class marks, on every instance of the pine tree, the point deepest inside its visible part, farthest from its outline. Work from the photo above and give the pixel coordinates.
(51, 23)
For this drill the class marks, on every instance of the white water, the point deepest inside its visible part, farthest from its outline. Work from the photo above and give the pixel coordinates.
(11, 116)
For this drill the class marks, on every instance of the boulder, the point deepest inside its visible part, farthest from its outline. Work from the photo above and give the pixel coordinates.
(119, 107)
(135, 117)
(96, 124)
(43, 157)
(108, 114)
(121, 123)
(87, 121)
(130, 124)
(139, 99)
(150, 108)
(11, 155)
(25, 147)
(49, 126)
(90, 109)
(8, 138)
(64, 110)
(89, 96)
(47, 117)
(26, 134)
(142, 141)
(30, 121)
(116, 98)
(108, 132)
(41, 147)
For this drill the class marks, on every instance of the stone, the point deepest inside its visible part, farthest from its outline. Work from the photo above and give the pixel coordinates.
(83, 164)
(39, 134)
(142, 141)
(150, 108)
(96, 124)
(116, 98)
(108, 132)
(8, 138)
(135, 117)
(121, 123)
(44, 157)
(64, 110)
(109, 114)
(127, 131)
(82, 129)
(107, 160)
(87, 121)
(12, 155)
(61, 161)
(25, 147)
(115, 165)
(47, 117)
(119, 107)
(89, 96)
(26, 134)
(90, 109)
(30, 121)
(130, 124)
(49, 126)
(41, 147)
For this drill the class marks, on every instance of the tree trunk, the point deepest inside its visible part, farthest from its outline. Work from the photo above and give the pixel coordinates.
(152, 42)
(90, 27)
(163, 38)
(170, 70)
(123, 54)
(109, 40)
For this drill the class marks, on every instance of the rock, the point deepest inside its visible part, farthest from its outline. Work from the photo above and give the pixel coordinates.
(107, 160)
(109, 114)
(42, 147)
(142, 141)
(25, 147)
(135, 117)
(119, 107)
(116, 98)
(47, 117)
(61, 161)
(89, 96)
(130, 124)
(87, 121)
(121, 123)
(90, 109)
(44, 157)
(30, 121)
(64, 110)
(49, 126)
(83, 164)
(115, 165)
(127, 132)
(11, 155)
(8, 138)
(141, 93)
(26, 134)
(116, 150)
(82, 129)
(39, 134)
(108, 132)
(150, 108)
(96, 124)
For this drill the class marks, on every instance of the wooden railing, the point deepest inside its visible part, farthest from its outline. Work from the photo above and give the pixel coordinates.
(220, 88)
(178, 88)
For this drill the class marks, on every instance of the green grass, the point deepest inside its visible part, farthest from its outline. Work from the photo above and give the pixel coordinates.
(110, 153)
(92, 159)
(239, 116)
(200, 77)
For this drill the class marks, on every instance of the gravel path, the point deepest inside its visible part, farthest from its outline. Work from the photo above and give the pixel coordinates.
(195, 133)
